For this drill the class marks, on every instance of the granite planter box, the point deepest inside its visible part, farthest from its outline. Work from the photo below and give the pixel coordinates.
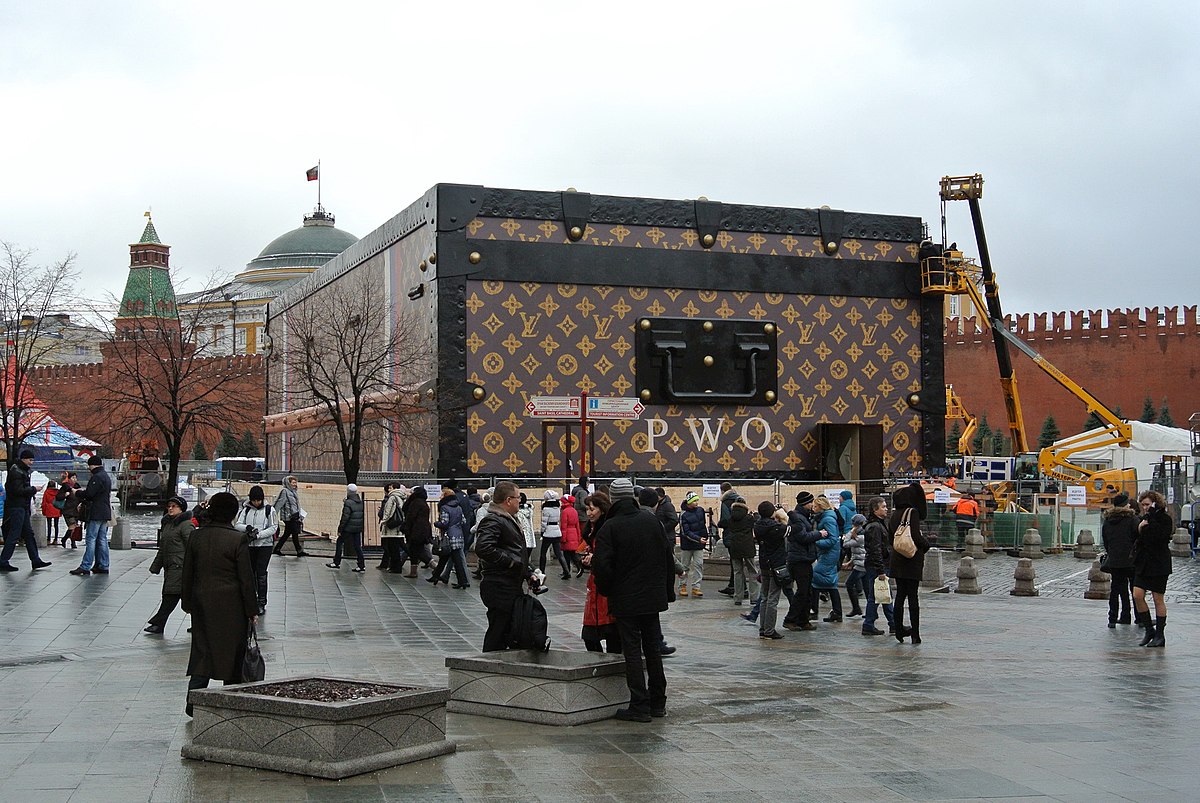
(233, 725)
(559, 687)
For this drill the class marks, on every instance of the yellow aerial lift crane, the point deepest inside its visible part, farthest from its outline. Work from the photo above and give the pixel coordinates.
(952, 273)
(955, 409)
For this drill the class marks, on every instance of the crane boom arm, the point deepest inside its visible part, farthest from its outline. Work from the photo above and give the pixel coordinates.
(1051, 460)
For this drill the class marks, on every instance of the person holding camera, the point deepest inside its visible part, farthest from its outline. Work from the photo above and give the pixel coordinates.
(1152, 565)
(260, 523)
(173, 533)
(500, 547)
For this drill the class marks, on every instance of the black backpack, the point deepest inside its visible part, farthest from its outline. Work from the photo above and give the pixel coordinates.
(396, 520)
(527, 628)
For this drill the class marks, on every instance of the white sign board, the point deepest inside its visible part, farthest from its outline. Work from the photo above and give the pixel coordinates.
(614, 407)
(553, 407)
(1076, 494)
(834, 495)
(712, 490)
(941, 496)
(1171, 495)
(433, 493)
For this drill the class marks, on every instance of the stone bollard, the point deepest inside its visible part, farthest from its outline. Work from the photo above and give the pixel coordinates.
(1031, 545)
(1099, 583)
(968, 577)
(931, 574)
(974, 544)
(38, 522)
(118, 535)
(1181, 544)
(1024, 576)
(1085, 545)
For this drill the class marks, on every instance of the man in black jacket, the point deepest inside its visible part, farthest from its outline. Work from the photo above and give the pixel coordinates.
(19, 493)
(878, 547)
(500, 547)
(801, 552)
(633, 564)
(98, 495)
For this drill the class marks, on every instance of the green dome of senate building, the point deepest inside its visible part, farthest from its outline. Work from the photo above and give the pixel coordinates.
(310, 246)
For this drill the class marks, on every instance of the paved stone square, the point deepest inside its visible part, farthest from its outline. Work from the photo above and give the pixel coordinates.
(1008, 698)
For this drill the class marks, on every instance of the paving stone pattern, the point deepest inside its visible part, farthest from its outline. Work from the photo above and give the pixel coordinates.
(1007, 699)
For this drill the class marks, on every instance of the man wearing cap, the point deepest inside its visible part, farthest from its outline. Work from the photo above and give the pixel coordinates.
(633, 566)
(173, 533)
(801, 552)
(693, 535)
(19, 493)
(260, 523)
(350, 530)
(98, 498)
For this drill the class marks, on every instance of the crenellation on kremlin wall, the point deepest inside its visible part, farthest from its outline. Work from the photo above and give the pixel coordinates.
(1083, 324)
(1122, 356)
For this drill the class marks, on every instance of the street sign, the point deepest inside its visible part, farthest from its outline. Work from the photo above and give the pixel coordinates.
(553, 407)
(614, 407)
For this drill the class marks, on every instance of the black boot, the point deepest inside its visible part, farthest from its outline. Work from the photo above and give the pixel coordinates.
(1143, 618)
(1159, 639)
(915, 630)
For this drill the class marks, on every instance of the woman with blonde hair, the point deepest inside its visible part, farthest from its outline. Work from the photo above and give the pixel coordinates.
(829, 555)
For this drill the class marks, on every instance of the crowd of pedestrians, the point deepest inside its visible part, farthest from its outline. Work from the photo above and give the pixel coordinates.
(638, 552)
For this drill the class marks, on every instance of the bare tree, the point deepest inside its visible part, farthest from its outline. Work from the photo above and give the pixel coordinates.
(28, 294)
(161, 379)
(357, 368)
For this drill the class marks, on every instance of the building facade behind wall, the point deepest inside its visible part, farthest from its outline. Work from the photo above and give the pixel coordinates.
(768, 342)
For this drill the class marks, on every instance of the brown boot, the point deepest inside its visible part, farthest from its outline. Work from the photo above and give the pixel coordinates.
(412, 570)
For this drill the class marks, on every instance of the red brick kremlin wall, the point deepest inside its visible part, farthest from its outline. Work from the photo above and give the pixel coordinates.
(1120, 356)
(69, 391)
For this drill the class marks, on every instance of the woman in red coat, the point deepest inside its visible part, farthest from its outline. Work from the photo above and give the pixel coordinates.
(598, 624)
(51, 513)
(572, 538)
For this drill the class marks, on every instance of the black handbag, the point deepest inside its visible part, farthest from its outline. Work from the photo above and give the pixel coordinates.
(254, 668)
(1104, 567)
(782, 574)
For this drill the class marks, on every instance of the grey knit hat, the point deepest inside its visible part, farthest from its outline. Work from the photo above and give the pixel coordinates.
(620, 489)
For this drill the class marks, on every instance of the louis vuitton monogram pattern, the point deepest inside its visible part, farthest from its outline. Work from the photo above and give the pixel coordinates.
(682, 239)
(841, 360)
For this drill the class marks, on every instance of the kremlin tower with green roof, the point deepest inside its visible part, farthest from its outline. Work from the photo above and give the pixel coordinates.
(148, 294)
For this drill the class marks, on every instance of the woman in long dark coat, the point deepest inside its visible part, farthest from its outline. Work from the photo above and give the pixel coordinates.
(219, 592)
(1152, 565)
(420, 531)
(907, 572)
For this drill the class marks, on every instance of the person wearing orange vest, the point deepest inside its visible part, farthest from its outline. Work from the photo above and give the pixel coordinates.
(966, 514)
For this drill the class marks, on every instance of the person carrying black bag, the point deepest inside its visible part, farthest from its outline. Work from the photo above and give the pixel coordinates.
(500, 547)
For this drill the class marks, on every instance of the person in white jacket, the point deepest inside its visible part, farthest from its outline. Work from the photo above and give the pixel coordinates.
(551, 532)
(260, 522)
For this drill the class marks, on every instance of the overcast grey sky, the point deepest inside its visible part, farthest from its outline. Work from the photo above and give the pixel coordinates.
(1081, 117)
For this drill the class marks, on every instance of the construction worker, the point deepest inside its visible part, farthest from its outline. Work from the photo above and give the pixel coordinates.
(966, 514)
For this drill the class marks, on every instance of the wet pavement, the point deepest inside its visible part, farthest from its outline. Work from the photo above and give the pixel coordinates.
(1007, 698)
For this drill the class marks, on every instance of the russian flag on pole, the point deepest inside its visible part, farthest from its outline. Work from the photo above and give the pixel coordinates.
(313, 173)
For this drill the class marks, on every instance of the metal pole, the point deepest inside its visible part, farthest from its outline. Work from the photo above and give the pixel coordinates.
(583, 434)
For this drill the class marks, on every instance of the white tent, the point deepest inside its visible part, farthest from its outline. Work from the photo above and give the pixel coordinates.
(1149, 444)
